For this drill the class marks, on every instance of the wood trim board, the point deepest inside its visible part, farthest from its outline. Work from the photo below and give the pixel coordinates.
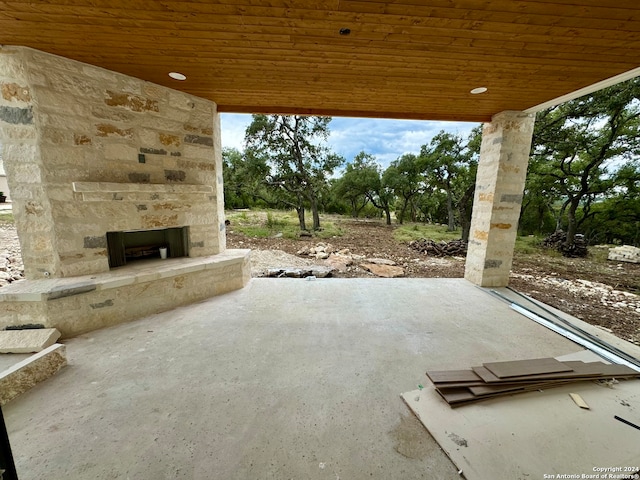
(519, 368)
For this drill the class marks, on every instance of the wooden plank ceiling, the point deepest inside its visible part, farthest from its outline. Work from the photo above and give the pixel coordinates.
(402, 59)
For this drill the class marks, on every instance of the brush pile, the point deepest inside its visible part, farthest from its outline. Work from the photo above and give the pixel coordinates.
(455, 248)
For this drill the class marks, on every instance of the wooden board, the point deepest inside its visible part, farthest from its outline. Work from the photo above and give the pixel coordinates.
(519, 368)
(579, 369)
(525, 436)
(453, 376)
(495, 389)
(458, 393)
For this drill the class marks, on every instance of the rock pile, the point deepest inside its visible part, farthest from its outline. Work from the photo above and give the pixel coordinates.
(300, 272)
(343, 260)
(558, 240)
(454, 248)
(11, 267)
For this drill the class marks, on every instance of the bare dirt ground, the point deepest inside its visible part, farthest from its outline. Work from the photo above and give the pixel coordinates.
(601, 293)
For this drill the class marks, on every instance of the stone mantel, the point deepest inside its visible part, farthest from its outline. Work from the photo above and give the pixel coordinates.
(104, 191)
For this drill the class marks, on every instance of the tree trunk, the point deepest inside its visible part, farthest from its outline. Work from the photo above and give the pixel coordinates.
(572, 225)
(465, 207)
(361, 207)
(465, 223)
(387, 212)
(300, 211)
(560, 215)
(314, 211)
(403, 211)
(452, 223)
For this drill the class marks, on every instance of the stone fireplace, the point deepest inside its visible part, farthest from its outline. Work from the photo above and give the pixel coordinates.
(104, 170)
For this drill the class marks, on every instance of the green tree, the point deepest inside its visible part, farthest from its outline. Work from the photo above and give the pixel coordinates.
(616, 218)
(464, 183)
(450, 164)
(442, 160)
(404, 177)
(243, 179)
(354, 184)
(299, 161)
(363, 177)
(577, 144)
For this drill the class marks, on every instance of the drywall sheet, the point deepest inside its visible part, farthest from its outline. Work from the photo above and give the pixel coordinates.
(530, 435)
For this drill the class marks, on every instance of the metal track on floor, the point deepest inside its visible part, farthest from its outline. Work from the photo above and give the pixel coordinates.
(568, 330)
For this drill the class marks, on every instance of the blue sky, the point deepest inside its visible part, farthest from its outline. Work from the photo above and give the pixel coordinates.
(385, 139)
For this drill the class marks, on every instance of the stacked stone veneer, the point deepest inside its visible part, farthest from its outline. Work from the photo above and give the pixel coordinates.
(89, 151)
(502, 170)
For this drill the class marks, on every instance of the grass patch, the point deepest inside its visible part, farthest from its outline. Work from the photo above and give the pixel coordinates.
(416, 231)
(529, 245)
(268, 223)
(599, 253)
(255, 231)
(6, 217)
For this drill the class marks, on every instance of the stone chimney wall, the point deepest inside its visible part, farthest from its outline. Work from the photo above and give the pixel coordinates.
(88, 151)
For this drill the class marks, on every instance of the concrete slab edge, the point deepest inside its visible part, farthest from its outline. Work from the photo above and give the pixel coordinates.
(24, 375)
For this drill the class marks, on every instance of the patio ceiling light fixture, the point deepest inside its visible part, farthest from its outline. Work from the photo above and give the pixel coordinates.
(478, 90)
(177, 76)
(345, 31)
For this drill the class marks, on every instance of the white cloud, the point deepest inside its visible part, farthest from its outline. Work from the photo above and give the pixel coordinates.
(385, 139)
(233, 126)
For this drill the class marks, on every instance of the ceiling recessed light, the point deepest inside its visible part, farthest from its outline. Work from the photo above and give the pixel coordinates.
(345, 31)
(177, 76)
(478, 90)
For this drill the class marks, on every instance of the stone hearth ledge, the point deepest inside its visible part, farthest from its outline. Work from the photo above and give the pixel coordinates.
(80, 304)
(141, 272)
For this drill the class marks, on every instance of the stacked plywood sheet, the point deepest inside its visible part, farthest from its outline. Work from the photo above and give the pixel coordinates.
(461, 387)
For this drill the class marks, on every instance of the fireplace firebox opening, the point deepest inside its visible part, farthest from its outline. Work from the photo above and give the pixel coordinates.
(128, 246)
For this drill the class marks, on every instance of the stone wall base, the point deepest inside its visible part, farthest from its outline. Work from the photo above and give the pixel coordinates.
(80, 304)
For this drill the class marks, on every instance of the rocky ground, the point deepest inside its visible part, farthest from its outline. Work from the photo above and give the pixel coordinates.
(599, 292)
(11, 268)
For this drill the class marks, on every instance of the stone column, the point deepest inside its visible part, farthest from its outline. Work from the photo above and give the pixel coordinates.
(502, 170)
(217, 144)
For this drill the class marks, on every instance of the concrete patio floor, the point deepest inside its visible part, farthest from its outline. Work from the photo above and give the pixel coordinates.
(286, 378)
